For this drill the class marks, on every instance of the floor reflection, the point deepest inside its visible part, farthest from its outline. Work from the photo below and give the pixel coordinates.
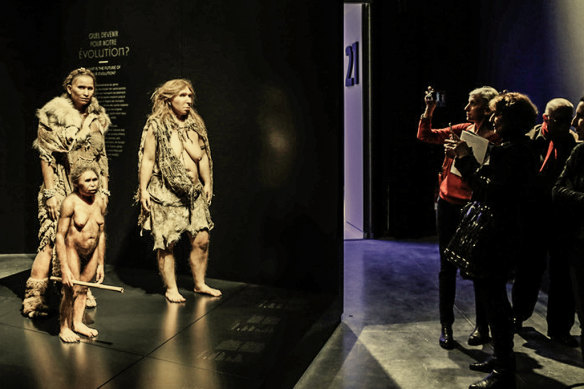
(160, 375)
(145, 342)
(55, 364)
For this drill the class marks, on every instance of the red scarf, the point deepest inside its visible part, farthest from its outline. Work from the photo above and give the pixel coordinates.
(551, 148)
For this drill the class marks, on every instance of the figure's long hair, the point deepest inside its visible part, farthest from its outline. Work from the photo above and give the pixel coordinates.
(163, 95)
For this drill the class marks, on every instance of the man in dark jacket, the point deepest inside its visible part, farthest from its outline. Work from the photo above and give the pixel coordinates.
(568, 196)
(552, 142)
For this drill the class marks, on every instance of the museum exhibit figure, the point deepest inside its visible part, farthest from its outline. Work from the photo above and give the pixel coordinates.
(71, 131)
(176, 184)
(80, 246)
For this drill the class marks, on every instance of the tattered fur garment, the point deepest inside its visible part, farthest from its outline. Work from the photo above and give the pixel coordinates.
(34, 303)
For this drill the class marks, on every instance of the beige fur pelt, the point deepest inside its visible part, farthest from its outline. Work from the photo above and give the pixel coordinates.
(34, 303)
(60, 124)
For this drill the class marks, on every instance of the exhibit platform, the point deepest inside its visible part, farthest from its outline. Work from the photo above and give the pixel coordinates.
(251, 337)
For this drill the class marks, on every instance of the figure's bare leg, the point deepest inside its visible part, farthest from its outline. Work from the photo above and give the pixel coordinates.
(66, 333)
(87, 274)
(34, 302)
(198, 260)
(91, 301)
(42, 263)
(79, 310)
(167, 272)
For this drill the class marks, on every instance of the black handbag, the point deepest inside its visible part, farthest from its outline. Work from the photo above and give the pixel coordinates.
(471, 247)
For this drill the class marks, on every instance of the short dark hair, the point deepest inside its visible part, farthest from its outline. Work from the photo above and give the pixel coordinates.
(78, 172)
(517, 110)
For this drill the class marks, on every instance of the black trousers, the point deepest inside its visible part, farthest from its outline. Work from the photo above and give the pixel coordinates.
(561, 308)
(493, 294)
(447, 219)
(539, 242)
(577, 276)
(531, 264)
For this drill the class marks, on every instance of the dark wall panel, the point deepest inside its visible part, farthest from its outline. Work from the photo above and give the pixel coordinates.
(455, 48)
(519, 37)
(416, 44)
(28, 54)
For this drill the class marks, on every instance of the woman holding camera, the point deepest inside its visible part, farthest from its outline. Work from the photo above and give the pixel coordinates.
(453, 194)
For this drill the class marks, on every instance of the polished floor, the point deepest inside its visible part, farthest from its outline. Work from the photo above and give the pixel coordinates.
(14, 263)
(251, 337)
(388, 337)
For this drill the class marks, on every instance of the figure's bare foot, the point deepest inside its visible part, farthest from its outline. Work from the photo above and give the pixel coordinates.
(82, 329)
(174, 296)
(206, 289)
(68, 336)
(90, 301)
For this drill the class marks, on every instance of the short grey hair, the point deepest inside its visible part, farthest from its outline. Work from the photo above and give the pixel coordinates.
(559, 104)
(485, 93)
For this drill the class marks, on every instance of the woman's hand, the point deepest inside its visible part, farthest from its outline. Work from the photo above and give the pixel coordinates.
(456, 148)
(53, 208)
(208, 193)
(430, 100)
(67, 278)
(145, 200)
(99, 274)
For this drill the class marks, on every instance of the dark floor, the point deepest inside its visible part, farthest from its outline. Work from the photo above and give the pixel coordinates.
(240, 340)
(388, 337)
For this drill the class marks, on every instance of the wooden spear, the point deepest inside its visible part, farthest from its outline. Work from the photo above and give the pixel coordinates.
(92, 285)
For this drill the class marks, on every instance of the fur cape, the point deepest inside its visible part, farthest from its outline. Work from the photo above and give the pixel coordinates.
(60, 124)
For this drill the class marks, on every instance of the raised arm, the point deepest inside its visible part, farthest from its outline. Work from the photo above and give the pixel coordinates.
(432, 135)
(430, 102)
(438, 136)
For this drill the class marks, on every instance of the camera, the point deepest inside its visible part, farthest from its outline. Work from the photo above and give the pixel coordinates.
(439, 97)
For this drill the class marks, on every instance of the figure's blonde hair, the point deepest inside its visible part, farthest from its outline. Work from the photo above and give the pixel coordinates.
(76, 73)
(163, 95)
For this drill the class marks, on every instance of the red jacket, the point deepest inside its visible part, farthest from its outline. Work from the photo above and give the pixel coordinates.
(452, 188)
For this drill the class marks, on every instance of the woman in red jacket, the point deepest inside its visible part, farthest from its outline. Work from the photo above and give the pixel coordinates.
(454, 193)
